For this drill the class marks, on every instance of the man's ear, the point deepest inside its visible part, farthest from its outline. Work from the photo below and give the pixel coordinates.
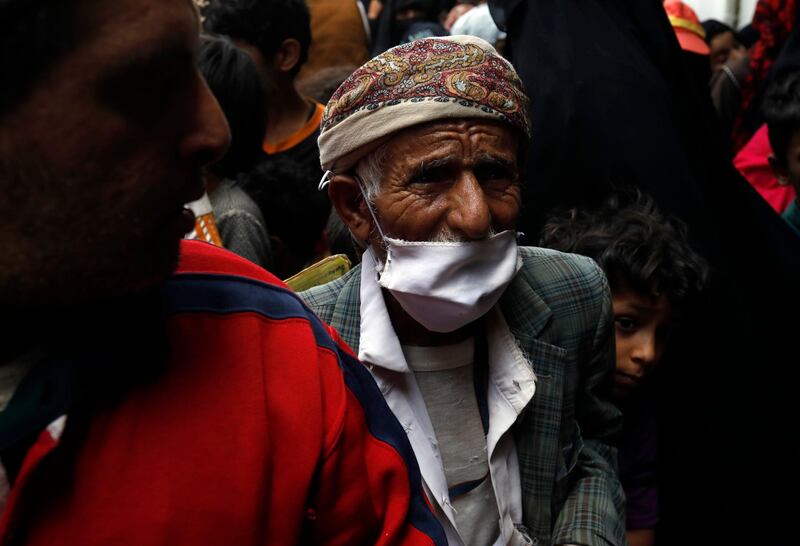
(345, 195)
(779, 170)
(288, 55)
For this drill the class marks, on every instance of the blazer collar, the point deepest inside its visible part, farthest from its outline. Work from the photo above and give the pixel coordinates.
(524, 310)
(346, 316)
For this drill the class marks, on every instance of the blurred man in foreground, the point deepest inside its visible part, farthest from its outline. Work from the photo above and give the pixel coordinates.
(139, 408)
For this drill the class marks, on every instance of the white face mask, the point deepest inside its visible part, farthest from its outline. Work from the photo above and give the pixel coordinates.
(447, 285)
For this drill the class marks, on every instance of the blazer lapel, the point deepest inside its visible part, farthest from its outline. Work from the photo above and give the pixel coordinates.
(537, 432)
(346, 317)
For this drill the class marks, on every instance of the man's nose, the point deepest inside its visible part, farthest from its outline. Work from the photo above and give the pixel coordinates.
(469, 213)
(208, 136)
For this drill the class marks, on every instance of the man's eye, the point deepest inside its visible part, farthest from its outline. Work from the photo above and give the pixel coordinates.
(626, 324)
(429, 176)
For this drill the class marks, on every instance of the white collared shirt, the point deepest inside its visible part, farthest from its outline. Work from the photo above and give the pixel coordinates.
(512, 384)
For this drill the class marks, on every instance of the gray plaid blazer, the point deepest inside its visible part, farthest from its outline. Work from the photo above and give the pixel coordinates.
(559, 309)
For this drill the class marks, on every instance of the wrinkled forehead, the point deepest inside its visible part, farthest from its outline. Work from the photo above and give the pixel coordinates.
(471, 132)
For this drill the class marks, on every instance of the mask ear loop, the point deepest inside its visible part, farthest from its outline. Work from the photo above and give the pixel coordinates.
(369, 207)
(325, 180)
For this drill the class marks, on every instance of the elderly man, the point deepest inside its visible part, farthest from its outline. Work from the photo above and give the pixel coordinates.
(495, 358)
(137, 407)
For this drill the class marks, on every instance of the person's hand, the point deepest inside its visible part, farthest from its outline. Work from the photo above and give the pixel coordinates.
(457, 11)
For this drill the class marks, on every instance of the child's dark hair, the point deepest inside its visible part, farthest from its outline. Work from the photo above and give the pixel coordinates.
(781, 109)
(636, 245)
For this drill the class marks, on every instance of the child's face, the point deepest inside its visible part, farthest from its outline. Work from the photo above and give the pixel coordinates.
(643, 326)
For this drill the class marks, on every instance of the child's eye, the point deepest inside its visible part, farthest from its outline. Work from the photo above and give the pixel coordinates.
(626, 324)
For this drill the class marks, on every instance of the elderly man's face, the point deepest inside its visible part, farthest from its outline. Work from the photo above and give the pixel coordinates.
(449, 181)
(97, 162)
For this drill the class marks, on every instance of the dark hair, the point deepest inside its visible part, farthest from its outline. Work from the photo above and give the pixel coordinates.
(635, 244)
(236, 83)
(265, 24)
(714, 28)
(293, 207)
(34, 34)
(781, 108)
(747, 35)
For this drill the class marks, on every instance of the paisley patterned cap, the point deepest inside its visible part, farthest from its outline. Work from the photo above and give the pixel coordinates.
(454, 77)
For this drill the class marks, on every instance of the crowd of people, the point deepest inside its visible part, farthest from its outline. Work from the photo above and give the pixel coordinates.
(171, 169)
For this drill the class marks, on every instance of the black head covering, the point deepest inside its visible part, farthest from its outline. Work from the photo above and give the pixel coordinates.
(387, 33)
(747, 36)
(612, 100)
(714, 28)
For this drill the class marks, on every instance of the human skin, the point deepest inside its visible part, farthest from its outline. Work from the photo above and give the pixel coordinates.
(724, 47)
(456, 177)
(98, 160)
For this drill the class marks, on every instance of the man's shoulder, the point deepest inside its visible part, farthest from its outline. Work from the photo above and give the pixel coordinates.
(572, 288)
(212, 280)
(326, 296)
(199, 258)
(552, 270)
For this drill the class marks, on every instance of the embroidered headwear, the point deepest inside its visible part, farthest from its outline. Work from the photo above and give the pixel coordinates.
(426, 80)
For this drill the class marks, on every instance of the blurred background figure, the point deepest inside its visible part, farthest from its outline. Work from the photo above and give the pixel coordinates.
(782, 112)
(320, 85)
(235, 82)
(478, 22)
(752, 160)
(339, 36)
(396, 22)
(774, 20)
(277, 35)
(455, 12)
(296, 213)
(723, 44)
(730, 66)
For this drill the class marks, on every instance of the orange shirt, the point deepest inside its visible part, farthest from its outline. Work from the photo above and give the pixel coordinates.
(300, 135)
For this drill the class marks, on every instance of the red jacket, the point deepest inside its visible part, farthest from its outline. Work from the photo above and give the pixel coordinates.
(259, 430)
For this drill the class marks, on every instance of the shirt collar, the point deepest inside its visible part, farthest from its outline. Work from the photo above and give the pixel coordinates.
(378, 345)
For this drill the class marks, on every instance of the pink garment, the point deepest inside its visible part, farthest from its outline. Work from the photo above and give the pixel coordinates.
(753, 164)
